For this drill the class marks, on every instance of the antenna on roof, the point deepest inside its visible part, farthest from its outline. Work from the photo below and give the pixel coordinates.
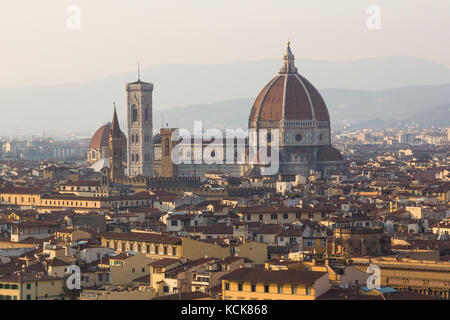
(139, 72)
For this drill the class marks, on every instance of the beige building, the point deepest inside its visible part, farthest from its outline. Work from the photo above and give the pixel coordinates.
(29, 286)
(125, 267)
(71, 235)
(272, 214)
(20, 196)
(420, 276)
(360, 242)
(159, 246)
(257, 284)
(33, 229)
(154, 245)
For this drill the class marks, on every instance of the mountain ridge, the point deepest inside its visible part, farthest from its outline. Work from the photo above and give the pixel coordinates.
(85, 106)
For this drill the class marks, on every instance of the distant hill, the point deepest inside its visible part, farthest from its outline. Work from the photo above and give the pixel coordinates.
(86, 106)
(425, 105)
(437, 117)
(393, 106)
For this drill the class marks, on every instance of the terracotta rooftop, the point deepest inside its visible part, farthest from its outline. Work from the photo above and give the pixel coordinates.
(164, 262)
(100, 138)
(13, 278)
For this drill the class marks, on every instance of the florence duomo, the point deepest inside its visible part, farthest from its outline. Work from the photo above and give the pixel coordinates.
(291, 104)
(269, 150)
(288, 103)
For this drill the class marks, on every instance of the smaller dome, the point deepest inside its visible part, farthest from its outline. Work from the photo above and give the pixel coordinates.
(329, 154)
(101, 137)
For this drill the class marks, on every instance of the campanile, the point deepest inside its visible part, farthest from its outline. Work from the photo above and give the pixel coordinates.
(140, 127)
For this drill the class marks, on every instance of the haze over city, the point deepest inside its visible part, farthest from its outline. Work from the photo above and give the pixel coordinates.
(115, 35)
(224, 155)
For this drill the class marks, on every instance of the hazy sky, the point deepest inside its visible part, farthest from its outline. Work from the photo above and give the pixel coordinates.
(37, 47)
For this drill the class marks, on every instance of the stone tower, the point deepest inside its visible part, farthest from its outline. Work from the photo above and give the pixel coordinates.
(140, 135)
(115, 143)
(168, 168)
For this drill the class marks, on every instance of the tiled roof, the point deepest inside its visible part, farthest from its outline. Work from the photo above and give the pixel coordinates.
(21, 190)
(12, 278)
(101, 136)
(216, 229)
(164, 262)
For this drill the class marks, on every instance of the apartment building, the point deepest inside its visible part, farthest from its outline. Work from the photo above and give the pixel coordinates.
(259, 284)
(30, 286)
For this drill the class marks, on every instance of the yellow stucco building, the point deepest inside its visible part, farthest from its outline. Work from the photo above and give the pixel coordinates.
(159, 246)
(154, 245)
(420, 276)
(260, 284)
(28, 286)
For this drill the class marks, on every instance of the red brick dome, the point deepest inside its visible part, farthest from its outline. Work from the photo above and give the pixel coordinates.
(289, 96)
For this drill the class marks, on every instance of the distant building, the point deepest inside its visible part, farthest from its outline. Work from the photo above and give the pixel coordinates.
(424, 277)
(360, 242)
(33, 229)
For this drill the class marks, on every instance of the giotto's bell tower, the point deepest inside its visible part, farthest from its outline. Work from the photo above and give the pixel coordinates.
(140, 129)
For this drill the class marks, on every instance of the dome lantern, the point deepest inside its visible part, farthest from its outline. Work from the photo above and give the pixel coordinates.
(288, 61)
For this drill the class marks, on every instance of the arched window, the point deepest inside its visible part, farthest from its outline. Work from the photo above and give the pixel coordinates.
(132, 157)
(134, 115)
(136, 138)
(93, 154)
(137, 157)
(132, 138)
(166, 146)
